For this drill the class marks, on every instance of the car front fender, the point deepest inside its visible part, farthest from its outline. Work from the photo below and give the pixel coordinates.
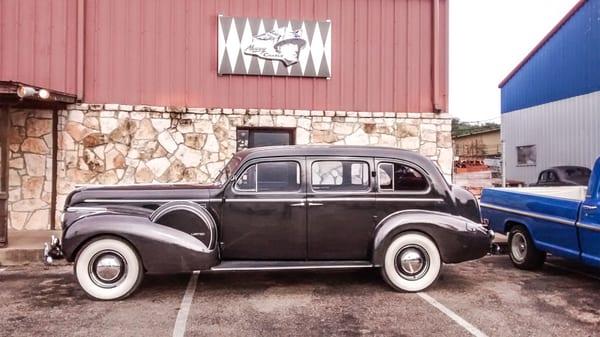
(162, 249)
(458, 239)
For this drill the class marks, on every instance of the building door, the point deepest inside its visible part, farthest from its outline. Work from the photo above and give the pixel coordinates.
(3, 176)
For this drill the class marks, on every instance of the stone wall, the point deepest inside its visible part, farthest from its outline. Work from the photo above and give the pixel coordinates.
(30, 169)
(124, 144)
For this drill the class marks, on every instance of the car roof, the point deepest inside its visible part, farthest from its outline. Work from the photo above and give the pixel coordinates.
(332, 150)
(567, 167)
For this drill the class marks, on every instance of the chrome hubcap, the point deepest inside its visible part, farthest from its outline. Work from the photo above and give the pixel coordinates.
(412, 262)
(107, 268)
(518, 247)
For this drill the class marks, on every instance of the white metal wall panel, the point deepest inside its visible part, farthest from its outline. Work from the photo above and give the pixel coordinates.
(565, 132)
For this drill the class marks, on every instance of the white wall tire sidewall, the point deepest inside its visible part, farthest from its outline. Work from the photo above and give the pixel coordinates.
(125, 287)
(435, 262)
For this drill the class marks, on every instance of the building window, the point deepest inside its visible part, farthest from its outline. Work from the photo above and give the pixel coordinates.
(340, 176)
(526, 155)
(257, 137)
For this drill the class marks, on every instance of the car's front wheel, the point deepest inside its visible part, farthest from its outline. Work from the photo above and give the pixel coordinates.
(108, 268)
(412, 262)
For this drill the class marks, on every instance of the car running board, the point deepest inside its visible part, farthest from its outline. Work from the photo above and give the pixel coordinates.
(289, 265)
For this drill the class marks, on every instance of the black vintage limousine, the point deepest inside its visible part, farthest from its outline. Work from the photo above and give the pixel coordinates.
(276, 208)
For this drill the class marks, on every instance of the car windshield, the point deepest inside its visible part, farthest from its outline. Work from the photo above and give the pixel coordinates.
(228, 171)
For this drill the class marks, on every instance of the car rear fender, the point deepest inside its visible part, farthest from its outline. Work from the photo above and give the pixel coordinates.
(457, 238)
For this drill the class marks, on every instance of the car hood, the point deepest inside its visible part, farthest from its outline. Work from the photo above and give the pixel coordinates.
(151, 192)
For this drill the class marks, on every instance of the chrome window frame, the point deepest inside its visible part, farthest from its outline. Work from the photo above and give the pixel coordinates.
(369, 188)
(412, 166)
(379, 177)
(259, 161)
(239, 179)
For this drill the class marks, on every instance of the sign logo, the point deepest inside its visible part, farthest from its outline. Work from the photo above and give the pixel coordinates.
(273, 47)
(280, 44)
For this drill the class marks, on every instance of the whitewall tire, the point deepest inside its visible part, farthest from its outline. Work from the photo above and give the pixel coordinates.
(412, 262)
(108, 268)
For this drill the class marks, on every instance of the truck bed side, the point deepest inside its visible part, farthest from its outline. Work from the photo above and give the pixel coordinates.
(551, 221)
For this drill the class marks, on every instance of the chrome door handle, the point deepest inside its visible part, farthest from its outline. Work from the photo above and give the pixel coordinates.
(315, 204)
(299, 204)
(589, 207)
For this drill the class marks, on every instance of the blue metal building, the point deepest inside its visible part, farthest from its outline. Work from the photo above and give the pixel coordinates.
(551, 100)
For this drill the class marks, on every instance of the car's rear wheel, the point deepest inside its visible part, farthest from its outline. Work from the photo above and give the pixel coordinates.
(412, 262)
(108, 268)
(522, 251)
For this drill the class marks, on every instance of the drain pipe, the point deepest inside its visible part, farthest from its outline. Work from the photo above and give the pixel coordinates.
(437, 107)
(80, 48)
(503, 162)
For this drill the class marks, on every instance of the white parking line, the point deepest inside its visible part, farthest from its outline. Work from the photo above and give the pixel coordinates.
(571, 270)
(184, 308)
(459, 320)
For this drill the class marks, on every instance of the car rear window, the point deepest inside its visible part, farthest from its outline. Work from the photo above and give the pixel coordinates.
(394, 177)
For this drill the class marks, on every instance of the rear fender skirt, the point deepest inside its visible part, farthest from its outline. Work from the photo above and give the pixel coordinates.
(198, 211)
(458, 239)
(162, 249)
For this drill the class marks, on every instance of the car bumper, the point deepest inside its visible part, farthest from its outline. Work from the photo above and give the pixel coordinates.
(469, 245)
(52, 250)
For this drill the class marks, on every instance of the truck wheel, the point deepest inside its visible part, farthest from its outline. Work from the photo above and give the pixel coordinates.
(412, 262)
(108, 268)
(522, 251)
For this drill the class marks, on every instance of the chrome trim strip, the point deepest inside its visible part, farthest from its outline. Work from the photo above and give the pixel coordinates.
(108, 186)
(86, 209)
(266, 200)
(562, 221)
(592, 227)
(348, 266)
(121, 201)
(341, 199)
(411, 199)
(377, 199)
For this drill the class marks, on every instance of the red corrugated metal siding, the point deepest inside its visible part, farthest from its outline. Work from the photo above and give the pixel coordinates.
(38, 42)
(162, 52)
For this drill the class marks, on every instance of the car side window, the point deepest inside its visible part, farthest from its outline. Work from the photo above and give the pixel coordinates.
(543, 176)
(395, 177)
(552, 178)
(283, 176)
(340, 175)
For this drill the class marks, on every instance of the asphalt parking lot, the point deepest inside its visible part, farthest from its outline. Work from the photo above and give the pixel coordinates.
(485, 297)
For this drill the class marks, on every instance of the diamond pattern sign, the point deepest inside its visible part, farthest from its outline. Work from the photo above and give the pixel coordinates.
(271, 47)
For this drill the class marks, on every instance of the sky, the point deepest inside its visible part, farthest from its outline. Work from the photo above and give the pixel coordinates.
(488, 38)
